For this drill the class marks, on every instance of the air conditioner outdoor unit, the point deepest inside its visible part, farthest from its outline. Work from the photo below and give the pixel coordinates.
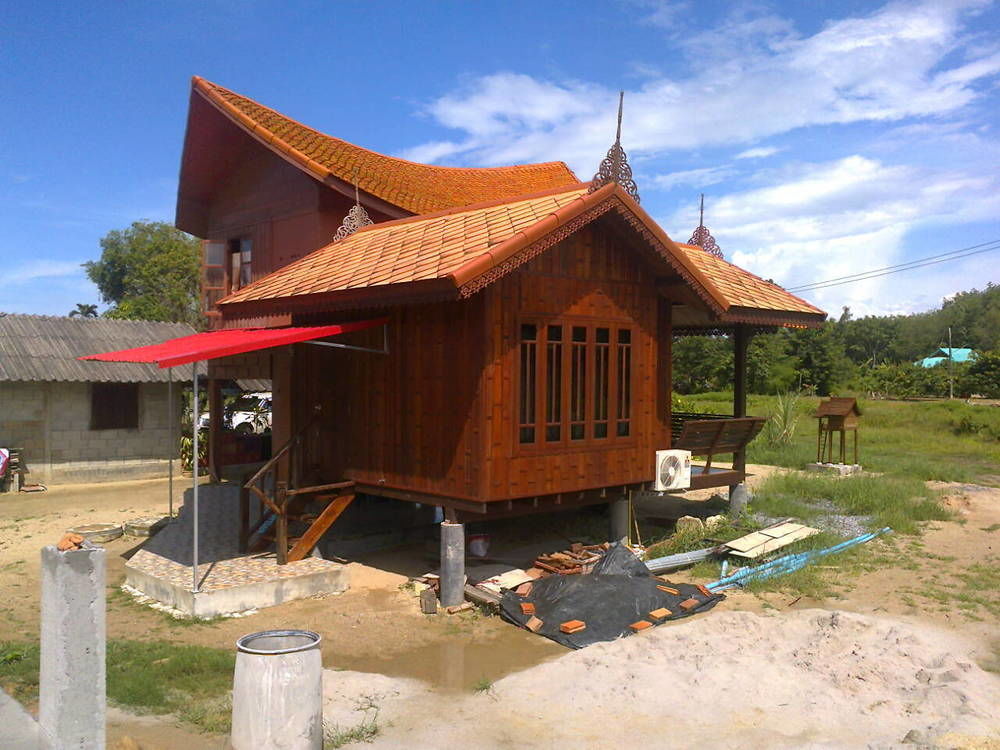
(673, 470)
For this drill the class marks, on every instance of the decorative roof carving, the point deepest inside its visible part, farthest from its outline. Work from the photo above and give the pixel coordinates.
(356, 218)
(702, 237)
(615, 167)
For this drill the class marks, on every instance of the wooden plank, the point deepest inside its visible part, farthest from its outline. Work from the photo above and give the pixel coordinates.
(779, 531)
(319, 527)
(772, 544)
(748, 542)
(320, 488)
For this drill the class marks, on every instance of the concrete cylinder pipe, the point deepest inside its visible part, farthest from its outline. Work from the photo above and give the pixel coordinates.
(278, 691)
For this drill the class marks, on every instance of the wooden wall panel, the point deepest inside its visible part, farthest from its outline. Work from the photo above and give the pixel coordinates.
(591, 277)
(411, 419)
(438, 413)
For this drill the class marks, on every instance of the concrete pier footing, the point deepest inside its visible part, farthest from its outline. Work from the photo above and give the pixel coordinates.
(618, 518)
(72, 694)
(452, 564)
(739, 496)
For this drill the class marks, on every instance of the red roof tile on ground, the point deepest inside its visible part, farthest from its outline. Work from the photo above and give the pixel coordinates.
(417, 188)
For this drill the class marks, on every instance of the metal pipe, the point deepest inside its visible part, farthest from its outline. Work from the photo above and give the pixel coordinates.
(173, 443)
(680, 560)
(194, 473)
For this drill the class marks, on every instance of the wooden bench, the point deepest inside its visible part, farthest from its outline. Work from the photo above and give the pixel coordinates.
(709, 435)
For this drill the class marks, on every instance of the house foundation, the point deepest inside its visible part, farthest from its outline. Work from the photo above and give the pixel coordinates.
(229, 581)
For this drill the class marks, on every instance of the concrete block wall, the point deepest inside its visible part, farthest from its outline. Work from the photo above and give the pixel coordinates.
(50, 422)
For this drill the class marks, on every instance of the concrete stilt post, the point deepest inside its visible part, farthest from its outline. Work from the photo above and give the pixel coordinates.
(72, 697)
(452, 564)
(619, 519)
(739, 496)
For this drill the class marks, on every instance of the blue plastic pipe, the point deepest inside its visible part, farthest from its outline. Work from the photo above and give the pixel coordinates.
(789, 563)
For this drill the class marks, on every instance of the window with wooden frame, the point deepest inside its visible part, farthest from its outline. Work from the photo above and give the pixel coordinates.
(574, 384)
(240, 257)
(114, 406)
(213, 274)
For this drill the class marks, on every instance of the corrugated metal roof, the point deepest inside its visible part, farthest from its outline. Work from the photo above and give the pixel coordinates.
(45, 348)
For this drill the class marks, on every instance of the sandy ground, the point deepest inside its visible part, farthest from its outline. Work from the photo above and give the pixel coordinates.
(374, 631)
(808, 679)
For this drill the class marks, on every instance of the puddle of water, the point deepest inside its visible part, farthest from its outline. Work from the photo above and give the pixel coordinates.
(459, 662)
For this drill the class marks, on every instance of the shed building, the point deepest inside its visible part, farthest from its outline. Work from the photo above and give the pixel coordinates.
(77, 421)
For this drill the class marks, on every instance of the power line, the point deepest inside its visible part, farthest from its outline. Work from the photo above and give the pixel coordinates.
(965, 252)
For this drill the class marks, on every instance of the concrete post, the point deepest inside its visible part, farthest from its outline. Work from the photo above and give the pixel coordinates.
(739, 496)
(72, 694)
(278, 691)
(452, 564)
(619, 519)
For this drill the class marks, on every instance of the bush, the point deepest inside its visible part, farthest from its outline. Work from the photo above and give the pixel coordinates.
(779, 429)
(982, 375)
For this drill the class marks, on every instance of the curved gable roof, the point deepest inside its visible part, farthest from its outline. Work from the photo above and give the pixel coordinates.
(415, 188)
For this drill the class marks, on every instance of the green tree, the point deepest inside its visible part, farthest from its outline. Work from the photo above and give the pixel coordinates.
(702, 363)
(84, 310)
(982, 376)
(149, 271)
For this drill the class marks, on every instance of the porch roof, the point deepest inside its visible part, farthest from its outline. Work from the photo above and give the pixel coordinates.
(455, 253)
(214, 344)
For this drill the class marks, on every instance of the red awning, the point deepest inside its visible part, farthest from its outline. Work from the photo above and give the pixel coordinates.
(225, 343)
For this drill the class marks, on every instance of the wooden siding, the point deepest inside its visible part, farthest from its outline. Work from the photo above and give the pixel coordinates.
(407, 420)
(438, 414)
(592, 277)
(285, 213)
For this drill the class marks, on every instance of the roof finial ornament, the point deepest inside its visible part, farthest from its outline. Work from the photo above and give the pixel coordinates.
(702, 237)
(356, 218)
(615, 166)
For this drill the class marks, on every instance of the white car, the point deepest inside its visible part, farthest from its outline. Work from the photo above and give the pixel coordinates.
(251, 414)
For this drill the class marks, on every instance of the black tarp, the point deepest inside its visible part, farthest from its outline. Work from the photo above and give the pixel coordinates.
(619, 592)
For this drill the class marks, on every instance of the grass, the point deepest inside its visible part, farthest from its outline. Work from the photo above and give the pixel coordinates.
(119, 597)
(917, 439)
(973, 591)
(483, 685)
(154, 677)
(367, 730)
(898, 502)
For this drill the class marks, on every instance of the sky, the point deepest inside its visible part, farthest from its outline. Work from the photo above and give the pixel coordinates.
(829, 138)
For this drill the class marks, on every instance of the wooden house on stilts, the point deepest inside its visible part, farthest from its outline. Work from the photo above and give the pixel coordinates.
(512, 326)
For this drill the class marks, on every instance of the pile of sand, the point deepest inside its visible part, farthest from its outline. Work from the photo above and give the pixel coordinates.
(791, 680)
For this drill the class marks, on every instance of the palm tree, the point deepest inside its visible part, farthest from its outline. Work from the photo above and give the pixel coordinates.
(84, 311)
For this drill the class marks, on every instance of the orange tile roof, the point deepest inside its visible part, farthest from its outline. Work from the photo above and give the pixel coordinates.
(740, 288)
(464, 249)
(417, 188)
(420, 248)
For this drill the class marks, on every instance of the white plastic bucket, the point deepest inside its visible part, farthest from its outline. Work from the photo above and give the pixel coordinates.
(278, 691)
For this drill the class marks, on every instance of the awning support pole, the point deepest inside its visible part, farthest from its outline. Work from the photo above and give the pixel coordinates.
(173, 443)
(194, 473)
(335, 345)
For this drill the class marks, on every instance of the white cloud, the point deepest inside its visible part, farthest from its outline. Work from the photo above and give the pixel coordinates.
(694, 177)
(759, 152)
(811, 222)
(764, 79)
(42, 269)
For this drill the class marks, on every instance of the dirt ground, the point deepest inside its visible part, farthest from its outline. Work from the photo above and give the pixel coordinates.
(375, 627)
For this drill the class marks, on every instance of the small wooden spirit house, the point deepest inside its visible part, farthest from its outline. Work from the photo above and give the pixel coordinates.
(836, 415)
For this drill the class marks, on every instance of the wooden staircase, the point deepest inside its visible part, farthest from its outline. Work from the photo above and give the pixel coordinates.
(316, 507)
